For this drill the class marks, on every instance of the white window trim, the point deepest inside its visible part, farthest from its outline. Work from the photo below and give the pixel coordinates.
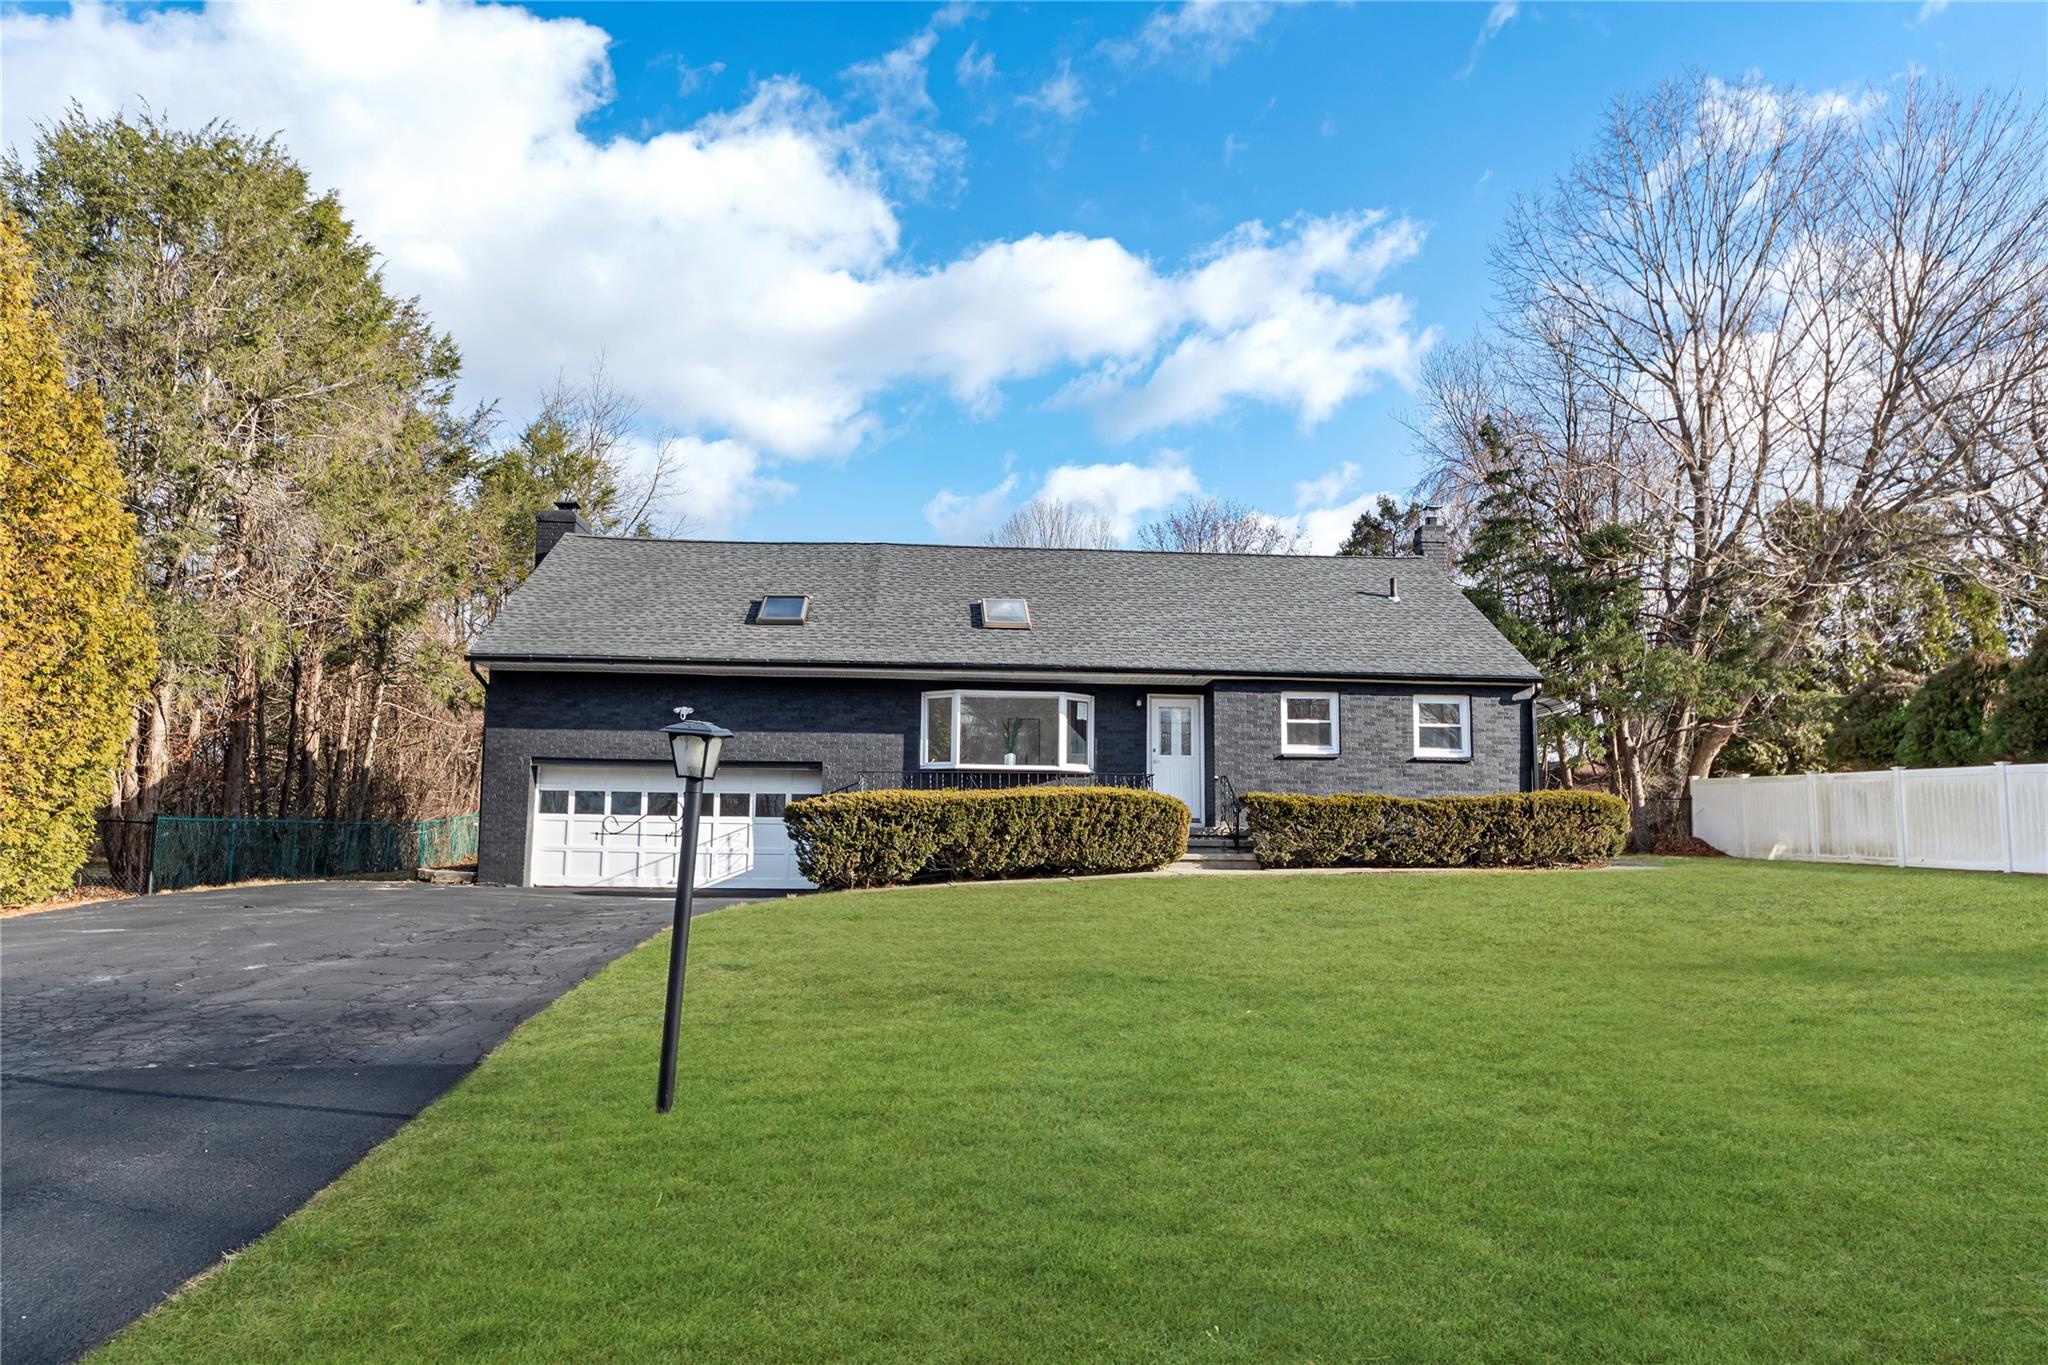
(1464, 705)
(924, 721)
(1336, 744)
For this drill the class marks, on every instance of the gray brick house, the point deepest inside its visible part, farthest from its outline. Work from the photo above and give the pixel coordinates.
(868, 665)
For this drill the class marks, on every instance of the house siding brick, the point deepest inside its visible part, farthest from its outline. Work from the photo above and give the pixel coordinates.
(1375, 742)
(845, 727)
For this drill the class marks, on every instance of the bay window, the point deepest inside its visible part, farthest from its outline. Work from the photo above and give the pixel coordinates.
(1045, 730)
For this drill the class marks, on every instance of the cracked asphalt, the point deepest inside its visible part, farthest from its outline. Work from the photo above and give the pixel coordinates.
(178, 1073)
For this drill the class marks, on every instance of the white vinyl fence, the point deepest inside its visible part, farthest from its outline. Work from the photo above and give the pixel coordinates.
(1988, 819)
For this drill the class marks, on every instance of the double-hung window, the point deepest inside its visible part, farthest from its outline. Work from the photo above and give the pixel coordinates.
(1044, 730)
(1443, 727)
(1308, 723)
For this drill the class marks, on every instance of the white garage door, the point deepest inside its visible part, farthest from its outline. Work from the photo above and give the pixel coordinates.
(619, 824)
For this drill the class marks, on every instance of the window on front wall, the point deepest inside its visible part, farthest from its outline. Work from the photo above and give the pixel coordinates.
(1047, 730)
(1443, 727)
(1308, 722)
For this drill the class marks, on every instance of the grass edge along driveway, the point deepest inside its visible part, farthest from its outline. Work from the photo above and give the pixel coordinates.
(1715, 1111)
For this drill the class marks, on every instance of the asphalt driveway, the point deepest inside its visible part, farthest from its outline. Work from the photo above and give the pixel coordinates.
(179, 1073)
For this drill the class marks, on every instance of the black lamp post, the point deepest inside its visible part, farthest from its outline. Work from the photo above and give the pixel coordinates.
(695, 744)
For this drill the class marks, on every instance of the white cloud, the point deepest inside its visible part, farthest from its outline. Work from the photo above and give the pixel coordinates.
(1497, 18)
(975, 67)
(1323, 514)
(1122, 493)
(745, 275)
(969, 516)
(1928, 9)
(1062, 95)
(1323, 529)
(1326, 487)
(722, 481)
(899, 134)
(1200, 36)
(1281, 319)
(691, 79)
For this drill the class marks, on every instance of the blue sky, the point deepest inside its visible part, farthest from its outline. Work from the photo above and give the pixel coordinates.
(885, 271)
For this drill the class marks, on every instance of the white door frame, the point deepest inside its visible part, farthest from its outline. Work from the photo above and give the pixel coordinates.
(1200, 805)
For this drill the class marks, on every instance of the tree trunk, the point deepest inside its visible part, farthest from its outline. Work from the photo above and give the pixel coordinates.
(338, 769)
(188, 774)
(312, 701)
(289, 755)
(261, 751)
(234, 767)
(1631, 785)
(140, 787)
(359, 803)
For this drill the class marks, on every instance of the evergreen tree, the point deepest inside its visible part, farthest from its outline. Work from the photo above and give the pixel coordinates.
(1870, 723)
(1948, 718)
(1375, 532)
(2019, 718)
(76, 648)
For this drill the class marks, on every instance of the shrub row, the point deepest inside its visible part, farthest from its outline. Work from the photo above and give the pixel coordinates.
(881, 838)
(1534, 829)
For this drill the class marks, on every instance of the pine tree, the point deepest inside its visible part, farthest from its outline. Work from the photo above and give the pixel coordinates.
(76, 645)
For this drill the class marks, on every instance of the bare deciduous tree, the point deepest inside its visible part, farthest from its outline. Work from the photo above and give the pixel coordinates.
(1052, 524)
(1220, 526)
(1791, 341)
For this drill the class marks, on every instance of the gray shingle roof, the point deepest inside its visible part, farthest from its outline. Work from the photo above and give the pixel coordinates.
(601, 599)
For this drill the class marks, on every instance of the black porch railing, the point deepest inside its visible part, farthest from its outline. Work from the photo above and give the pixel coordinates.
(985, 779)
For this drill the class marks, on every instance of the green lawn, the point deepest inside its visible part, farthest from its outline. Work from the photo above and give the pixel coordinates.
(1710, 1111)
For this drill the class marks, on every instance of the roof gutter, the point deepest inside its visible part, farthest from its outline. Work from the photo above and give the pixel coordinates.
(918, 670)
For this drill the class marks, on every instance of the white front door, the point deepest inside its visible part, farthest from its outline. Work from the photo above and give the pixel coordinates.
(1173, 749)
(616, 824)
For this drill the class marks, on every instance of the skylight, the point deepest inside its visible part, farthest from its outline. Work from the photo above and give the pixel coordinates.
(1005, 613)
(783, 611)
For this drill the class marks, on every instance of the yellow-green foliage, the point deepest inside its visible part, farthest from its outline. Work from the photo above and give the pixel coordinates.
(76, 648)
(1534, 829)
(884, 837)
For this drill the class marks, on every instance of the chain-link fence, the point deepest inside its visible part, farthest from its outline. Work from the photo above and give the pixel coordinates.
(175, 851)
(119, 858)
(447, 842)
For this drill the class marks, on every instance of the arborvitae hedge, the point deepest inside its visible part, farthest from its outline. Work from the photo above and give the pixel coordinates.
(1534, 829)
(885, 837)
(76, 647)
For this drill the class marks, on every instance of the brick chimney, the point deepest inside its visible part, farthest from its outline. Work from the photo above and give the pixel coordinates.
(1432, 542)
(552, 524)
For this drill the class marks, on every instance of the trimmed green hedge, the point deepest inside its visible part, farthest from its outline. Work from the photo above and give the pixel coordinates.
(1533, 829)
(882, 838)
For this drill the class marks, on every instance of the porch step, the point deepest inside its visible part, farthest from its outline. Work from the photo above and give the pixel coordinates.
(447, 876)
(1222, 841)
(1219, 859)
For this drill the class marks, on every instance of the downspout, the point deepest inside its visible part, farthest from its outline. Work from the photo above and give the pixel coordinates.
(483, 753)
(1532, 760)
